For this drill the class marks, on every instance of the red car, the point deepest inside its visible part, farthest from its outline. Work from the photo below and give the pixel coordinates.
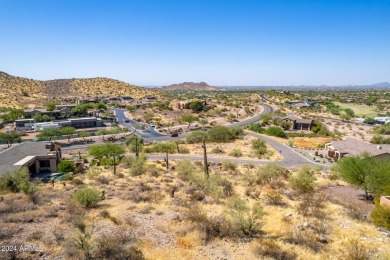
(174, 135)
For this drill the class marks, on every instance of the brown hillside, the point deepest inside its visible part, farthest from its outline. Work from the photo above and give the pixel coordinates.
(24, 92)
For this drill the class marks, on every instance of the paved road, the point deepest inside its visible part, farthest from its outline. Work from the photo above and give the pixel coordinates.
(129, 123)
(291, 157)
(266, 110)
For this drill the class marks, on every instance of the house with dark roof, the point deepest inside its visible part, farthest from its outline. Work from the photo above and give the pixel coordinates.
(36, 156)
(298, 123)
(354, 147)
(58, 111)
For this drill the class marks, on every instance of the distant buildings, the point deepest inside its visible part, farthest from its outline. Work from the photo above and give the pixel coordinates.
(59, 111)
(83, 122)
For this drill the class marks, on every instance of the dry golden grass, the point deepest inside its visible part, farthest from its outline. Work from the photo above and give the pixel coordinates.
(160, 225)
(304, 142)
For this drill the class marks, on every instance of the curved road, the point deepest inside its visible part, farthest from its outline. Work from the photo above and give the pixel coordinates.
(291, 157)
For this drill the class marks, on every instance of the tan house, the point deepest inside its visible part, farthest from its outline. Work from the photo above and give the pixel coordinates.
(36, 156)
(353, 147)
(180, 104)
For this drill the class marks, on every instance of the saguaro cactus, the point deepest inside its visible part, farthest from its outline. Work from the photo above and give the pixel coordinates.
(206, 164)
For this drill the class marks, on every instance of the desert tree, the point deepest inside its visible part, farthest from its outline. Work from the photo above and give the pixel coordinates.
(68, 132)
(203, 122)
(365, 172)
(109, 150)
(10, 138)
(189, 119)
(49, 133)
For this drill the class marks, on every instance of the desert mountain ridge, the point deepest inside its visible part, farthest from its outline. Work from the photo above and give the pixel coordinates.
(23, 92)
(188, 86)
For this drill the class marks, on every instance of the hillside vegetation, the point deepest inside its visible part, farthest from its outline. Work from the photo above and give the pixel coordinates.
(19, 92)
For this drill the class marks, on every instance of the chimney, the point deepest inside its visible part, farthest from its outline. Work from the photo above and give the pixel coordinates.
(49, 146)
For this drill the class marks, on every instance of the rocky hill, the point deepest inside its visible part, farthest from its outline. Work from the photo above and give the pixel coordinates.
(188, 86)
(24, 92)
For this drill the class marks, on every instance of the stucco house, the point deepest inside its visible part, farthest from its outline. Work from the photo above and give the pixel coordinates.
(298, 123)
(353, 147)
(36, 156)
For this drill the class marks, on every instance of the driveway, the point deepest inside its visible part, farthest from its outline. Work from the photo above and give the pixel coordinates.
(291, 157)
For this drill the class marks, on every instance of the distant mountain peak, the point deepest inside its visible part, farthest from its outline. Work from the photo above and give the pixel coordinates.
(188, 86)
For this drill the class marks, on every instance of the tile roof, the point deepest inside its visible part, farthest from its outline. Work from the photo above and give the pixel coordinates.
(20, 151)
(356, 147)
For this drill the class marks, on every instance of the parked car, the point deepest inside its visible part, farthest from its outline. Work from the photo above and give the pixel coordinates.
(152, 126)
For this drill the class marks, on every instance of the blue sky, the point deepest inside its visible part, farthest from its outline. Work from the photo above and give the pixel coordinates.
(221, 42)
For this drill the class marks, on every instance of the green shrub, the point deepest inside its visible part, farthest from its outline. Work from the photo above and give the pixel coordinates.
(246, 219)
(383, 129)
(137, 165)
(258, 143)
(108, 161)
(303, 182)
(160, 148)
(223, 134)
(67, 177)
(93, 162)
(196, 137)
(184, 150)
(381, 216)
(77, 181)
(259, 147)
(185, 169)
(276, 131)
(17, 181)
(269, 172)
(229, 165)
(380, 139)
(256, 127)
(93, 172)
(135, 142)
(88, 196)
(66, 166)
(236, 152)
